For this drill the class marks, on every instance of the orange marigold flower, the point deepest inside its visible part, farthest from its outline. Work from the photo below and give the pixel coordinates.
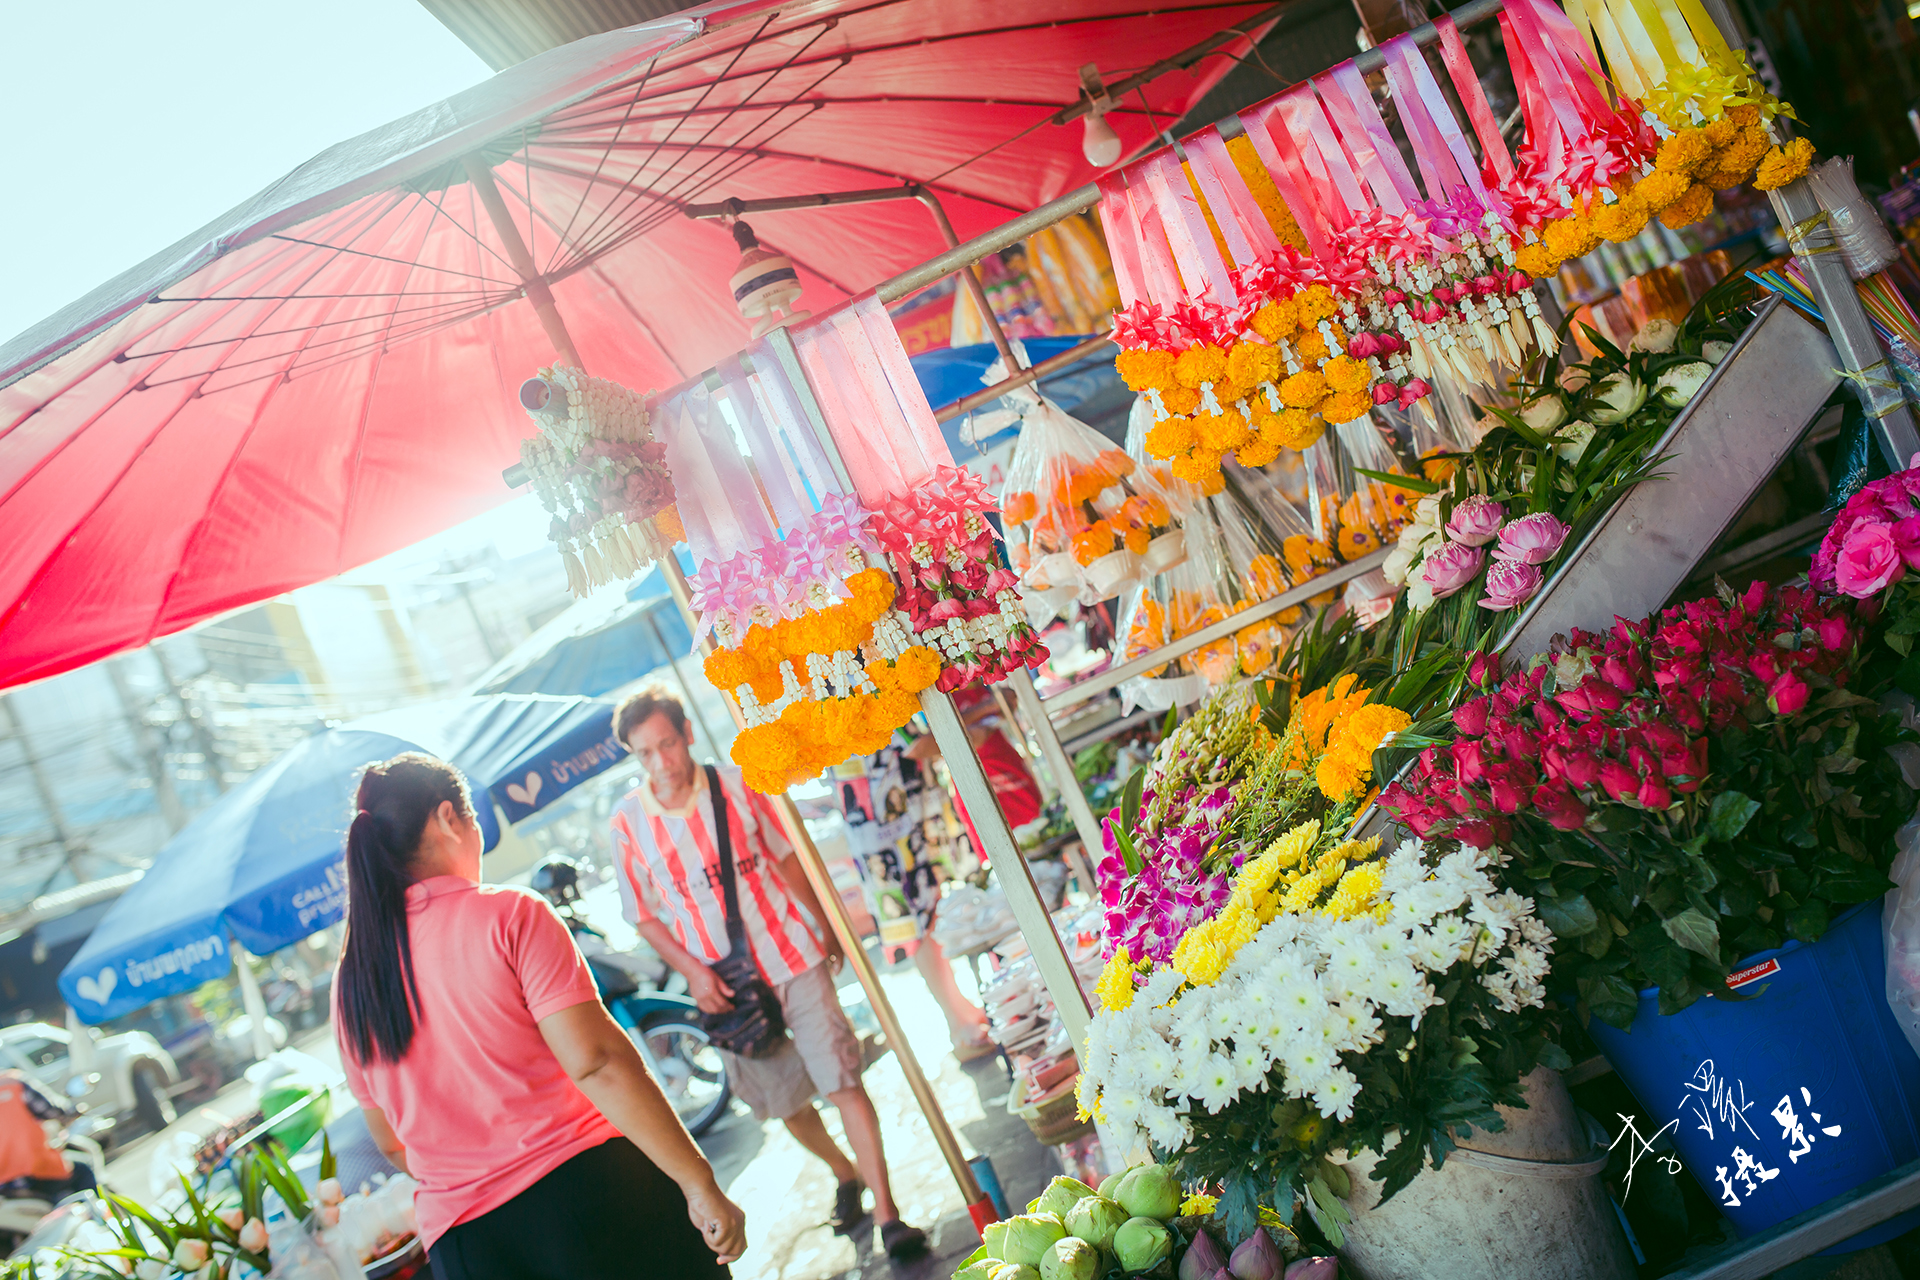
(1303, 390)
(1220, 432)
(1199, 364)
(1696, 204)
(1018, 508)
(1251, 363)
(1344, 373)
(1137, 539)
(1097, 541)
(1661, 188)
(1312, 348)
(1346, 406)
(1257, 452)
(1276, 320)
(667, 522)
(1145, 367)
(1783, 165)
(1181, 399)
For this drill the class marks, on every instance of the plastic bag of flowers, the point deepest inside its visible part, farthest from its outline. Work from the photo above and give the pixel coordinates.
(1080, 512)
(1679, 792)
(1331, 999)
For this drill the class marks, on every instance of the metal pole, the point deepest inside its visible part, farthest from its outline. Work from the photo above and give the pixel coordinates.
(1016, 878)
(1052, 364)
(969, 281)
(1084, 821)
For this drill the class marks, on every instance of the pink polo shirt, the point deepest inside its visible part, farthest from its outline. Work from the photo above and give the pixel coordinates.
(480, 1102)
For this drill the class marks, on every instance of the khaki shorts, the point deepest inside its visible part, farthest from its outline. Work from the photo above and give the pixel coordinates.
(821, 1055)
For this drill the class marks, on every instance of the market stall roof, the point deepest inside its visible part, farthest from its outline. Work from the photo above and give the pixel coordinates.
(596, 645)
(326, 373)
(264, 863)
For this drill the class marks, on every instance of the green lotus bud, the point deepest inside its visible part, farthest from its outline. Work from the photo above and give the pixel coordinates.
(1112, 1180)
(981, 1270)
(1140, 1243)
(1061, 1195)
(1070, 1259)
(1028, 1237)
(1149, 1191)
(1015, 1271)
(994, 1237)
(1095, 1219)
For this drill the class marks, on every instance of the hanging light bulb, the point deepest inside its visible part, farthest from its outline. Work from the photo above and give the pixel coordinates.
(1099, 144)
(765, 285)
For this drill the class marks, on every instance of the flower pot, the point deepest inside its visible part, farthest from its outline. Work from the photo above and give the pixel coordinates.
(1110, 572)
(1165, 551)
(1819, 1022)
(1526, 1201)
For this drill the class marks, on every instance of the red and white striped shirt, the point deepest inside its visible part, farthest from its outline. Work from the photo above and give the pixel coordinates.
(671, 873)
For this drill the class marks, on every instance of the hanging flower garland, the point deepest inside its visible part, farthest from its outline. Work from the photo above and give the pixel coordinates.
(599, 472)
(809, 647)
(956, 595)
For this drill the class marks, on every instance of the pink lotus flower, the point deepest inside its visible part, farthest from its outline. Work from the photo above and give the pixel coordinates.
(1510, 584)
(1869, 560)
(1452, 567)
(1533, 539)
(1476, 520)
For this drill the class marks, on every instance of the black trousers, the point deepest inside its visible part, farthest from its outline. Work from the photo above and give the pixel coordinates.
(608, 1212)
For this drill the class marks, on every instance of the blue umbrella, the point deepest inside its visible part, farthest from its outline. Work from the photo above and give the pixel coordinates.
(265, 864)
(596, 645)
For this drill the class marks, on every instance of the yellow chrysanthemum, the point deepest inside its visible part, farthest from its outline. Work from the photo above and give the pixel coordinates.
(1115, 987)
(1356, 892)
(1199, 1204)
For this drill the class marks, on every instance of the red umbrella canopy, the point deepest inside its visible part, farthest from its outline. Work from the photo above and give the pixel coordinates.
(326, 374)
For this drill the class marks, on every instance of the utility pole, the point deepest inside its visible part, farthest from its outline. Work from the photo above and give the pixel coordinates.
(196, 724)
(42, 784)
(148, 743)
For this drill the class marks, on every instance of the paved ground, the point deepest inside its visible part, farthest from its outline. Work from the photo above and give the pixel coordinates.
(787, 1194)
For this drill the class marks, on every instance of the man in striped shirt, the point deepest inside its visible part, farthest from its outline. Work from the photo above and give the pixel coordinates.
(670, 888)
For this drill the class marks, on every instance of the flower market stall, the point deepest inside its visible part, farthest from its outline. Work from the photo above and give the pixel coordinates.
(1393, 868)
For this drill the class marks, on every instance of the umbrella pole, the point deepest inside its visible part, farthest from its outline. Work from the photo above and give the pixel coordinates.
(250, 997)
(978, 1206)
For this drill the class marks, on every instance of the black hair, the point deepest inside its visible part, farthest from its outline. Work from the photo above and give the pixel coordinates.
(378, 995)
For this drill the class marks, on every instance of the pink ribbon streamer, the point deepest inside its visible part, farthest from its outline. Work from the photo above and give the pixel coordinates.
(1267, 130)
(1323, 154)
(778, 479)
(1439, 142)
(1466, 83)
(1549, 74)
(790, 421)
(692, 477)
(1201, 266)
(1241, 223)
(741, 521)
(897, 377)
(1123, 239)
(1367, 138)
(1161, 277)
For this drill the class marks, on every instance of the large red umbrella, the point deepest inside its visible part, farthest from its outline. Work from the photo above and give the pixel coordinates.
(326, 373)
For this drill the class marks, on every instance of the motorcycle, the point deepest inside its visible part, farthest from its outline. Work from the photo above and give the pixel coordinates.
(30, 1219)
(666, 1029)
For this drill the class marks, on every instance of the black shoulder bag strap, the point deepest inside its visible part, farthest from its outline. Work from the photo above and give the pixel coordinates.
(730, 893)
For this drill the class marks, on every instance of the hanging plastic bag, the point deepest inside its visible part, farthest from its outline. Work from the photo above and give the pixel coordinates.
(1082, 513)
(1900, 916)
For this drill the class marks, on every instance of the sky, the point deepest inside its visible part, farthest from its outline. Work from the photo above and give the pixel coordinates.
(129, 123)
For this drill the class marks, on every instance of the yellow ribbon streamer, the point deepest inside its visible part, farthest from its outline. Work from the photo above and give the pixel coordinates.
(1867, 384)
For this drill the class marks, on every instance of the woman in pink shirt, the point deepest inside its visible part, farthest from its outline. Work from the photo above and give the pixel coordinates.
(474, 1039)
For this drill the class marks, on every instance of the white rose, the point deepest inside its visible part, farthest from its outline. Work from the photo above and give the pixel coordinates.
(253, 1236)
(1620, 398)
(1399, 560)
(191, 1255)
(1680, 383)
(329, 1191)
(1574, 377)
(1427, 511)
(1572, 440)
(1419, 591)
(1544, 414)
(1715, 352)
(1656, 335)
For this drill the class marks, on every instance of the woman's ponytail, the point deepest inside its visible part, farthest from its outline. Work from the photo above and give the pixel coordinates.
(378, 995)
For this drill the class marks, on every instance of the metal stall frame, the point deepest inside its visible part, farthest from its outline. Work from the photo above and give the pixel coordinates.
(1894, 428)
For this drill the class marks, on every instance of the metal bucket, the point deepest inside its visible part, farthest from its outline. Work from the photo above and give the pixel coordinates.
(1526, 1201)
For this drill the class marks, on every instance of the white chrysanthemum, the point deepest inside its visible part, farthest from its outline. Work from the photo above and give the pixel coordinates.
(1358, 1027)
(1217, 1085)
(1252, 1063)
(1337, 1093)
(1154, 1063)
(1307, 1062)
(1165, 1127)
(1300, 1001)
(1123, 1105)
